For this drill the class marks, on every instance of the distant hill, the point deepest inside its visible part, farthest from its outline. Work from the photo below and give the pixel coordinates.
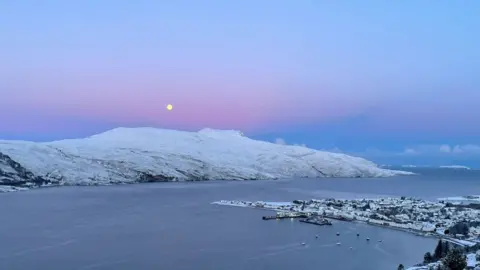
(459, 167)
(129, 155)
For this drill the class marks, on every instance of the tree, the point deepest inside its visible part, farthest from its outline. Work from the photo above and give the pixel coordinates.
(438, 253)
(401, 267)
(446, 249)
(428, 258)
(438, 267)
(455, 260)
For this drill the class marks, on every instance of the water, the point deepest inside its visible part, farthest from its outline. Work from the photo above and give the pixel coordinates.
(174, 226)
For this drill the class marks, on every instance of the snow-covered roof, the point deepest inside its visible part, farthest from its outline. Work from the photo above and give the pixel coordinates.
(471, 260)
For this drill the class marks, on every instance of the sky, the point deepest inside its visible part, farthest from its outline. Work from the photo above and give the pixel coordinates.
(393, 81)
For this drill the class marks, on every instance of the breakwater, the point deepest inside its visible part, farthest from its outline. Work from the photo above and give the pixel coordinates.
(316, 221)
(283, 215)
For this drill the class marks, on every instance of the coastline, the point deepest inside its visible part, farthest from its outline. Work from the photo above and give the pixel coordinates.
(440, 227)
(411, 231)
(7, 188)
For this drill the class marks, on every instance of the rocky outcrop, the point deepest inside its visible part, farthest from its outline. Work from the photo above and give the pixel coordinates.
(14, 174)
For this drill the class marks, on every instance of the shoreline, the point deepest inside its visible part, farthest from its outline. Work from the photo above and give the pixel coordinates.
(5, 188)
(298, 207)
(422, 231)
(406, 230)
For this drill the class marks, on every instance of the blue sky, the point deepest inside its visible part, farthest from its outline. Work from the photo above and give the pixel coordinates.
(374, 78)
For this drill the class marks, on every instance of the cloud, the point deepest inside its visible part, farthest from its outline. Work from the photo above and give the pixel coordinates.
(410, 151)
(430, 150)
(283, 142)
(444, 149)
(423, 155)
(419, 151)
(420, 154)
(467, 148)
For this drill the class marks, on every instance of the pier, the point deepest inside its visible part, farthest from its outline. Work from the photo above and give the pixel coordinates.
(305, 218)
(317, 221)
(285, 215)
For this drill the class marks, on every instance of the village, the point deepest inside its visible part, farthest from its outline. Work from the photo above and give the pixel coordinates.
(453, 222)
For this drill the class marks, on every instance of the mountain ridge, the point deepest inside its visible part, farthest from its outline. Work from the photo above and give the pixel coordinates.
(132, 155)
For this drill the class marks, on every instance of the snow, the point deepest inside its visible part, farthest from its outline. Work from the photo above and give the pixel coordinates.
(127, 155)
(467, 199)
(460, 167)
(429, 266)
(11, 188)
(460, 242)
(279, 203)
(471, 260)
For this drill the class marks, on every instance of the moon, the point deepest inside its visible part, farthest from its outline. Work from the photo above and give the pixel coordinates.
(169, 107)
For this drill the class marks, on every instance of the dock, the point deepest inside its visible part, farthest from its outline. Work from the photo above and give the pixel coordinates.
(285, 215)
(341, 218)
(317, 221)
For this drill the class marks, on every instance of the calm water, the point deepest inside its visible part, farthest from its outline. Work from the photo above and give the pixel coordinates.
(174, 226)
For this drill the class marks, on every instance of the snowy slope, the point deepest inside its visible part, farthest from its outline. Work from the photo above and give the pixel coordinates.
(127, 155)
(459, 167)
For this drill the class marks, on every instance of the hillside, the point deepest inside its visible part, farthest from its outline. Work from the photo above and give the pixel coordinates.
(129, 155)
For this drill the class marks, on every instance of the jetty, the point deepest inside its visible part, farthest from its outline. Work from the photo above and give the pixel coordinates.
(316, 221)
(283, 215)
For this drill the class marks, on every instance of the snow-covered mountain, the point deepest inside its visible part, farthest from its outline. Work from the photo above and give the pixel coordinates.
(128, 155)
(458, 167)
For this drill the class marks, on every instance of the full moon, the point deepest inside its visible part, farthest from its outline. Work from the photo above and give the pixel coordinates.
(169, 107)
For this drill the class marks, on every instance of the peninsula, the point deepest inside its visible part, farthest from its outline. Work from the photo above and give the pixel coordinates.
(135, 155)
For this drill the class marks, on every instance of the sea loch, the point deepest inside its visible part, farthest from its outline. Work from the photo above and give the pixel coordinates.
(174, 226)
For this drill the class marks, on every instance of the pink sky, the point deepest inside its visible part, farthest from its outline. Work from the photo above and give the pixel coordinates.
(229, 65)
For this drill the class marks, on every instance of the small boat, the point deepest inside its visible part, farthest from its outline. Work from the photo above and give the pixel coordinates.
(338, 244)
(358, 234)
(303, 244)
(368, 239)
(338, 233)
(351, 247)
(380, 241)
(316, 236)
